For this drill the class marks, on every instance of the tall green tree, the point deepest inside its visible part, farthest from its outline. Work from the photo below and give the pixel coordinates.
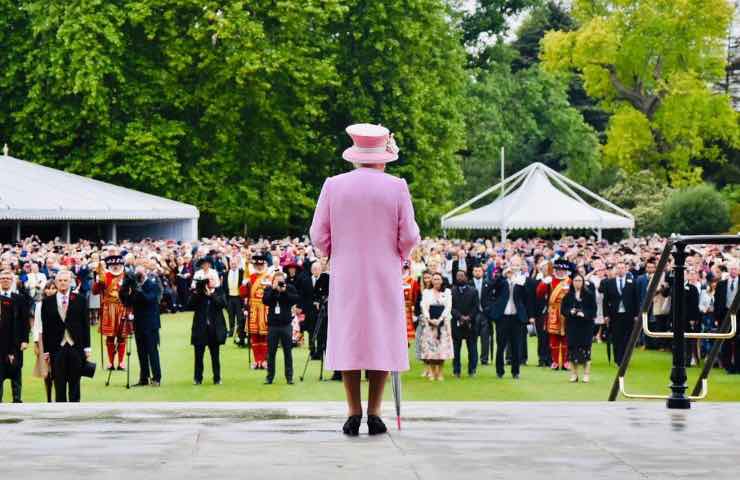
(236, 106)
(651, 63)
(401, 64)
(528, 114)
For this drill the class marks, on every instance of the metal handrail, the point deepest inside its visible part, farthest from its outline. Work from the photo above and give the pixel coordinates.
(700, 396)
(637, 328)
(695, 335)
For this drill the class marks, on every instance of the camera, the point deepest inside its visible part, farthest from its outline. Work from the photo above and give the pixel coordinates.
(281, 284)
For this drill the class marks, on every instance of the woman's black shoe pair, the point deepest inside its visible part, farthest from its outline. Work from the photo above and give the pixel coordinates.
(375, 425)
(352, 425)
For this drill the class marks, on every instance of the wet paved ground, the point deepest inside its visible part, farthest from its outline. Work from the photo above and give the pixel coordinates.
(302, 441)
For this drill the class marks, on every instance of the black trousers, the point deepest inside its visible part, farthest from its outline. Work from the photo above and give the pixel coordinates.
(282, 336)
(508, 331)
(66, 367)
(147, 347)
(214, 350)
(309, 326)
(486, 330)
(235, 309)
(621, 328)
(471, 342)
(14, 373)
(543, 342)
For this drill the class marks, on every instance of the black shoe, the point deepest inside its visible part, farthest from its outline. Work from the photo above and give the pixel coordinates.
(154, 384)
(141, 384)
(268, 382)
(337, 377)
(17, 400)
(375, 425)
(352, 425)
(471, 374)
(290, 381)
(515, 377)
(457, 375)
(500, 375)
(484, 362)
(197, 382)
(217, 382)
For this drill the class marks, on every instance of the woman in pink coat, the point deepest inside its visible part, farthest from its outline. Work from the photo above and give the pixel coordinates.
(364, 221)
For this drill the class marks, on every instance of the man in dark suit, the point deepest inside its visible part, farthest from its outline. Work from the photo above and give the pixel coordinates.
(66, 337)
(643, 282)
(464, 315)
(725, 294)
(14, 327)
(621, 307)
(145, 303)
(231, 282)
(508, 309)
(484, 323)
(280, 297)
(209, 325)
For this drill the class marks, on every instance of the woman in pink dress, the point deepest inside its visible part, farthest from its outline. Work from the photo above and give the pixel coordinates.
(364, 221)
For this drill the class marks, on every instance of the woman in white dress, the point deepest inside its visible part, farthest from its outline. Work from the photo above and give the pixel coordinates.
(436, 338)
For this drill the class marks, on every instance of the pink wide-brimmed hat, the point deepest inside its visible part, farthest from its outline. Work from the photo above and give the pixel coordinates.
(372, 144)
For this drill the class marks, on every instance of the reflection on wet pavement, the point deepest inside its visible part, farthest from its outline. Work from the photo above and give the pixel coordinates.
(303, 440)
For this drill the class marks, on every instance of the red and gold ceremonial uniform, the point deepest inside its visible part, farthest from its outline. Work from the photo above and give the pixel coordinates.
(411, 293)
(257, 321)
(114, 314)
(555, 292)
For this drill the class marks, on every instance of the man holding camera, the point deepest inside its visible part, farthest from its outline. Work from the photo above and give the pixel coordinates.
(508, 309)
(280, 298)
(145, 304)
(209, 325)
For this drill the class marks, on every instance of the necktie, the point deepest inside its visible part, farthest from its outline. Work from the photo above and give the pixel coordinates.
(620, 285)
(64, 307)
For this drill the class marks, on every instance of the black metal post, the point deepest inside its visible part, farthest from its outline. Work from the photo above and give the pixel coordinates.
(678, 397)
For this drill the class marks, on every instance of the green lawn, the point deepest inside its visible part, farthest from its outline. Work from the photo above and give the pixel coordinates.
(648, 374)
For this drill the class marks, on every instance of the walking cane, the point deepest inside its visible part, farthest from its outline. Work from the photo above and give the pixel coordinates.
(128, 360)
(396, 383)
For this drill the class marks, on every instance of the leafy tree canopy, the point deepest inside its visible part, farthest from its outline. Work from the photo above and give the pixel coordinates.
(651, 63)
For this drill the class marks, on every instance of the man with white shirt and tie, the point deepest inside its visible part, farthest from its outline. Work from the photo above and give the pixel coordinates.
(725, 294)
(14, 327)
(66, 337)
(621, 307)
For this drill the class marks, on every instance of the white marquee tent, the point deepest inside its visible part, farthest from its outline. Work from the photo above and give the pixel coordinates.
(32, 195)
(530, 199)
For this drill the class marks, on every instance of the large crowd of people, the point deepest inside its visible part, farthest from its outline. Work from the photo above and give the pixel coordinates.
(483, 295)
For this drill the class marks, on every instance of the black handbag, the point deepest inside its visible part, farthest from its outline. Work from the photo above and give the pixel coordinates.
(435, 312)
(88, 369)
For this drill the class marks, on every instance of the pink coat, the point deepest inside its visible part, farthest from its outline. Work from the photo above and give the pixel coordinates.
(364, 221)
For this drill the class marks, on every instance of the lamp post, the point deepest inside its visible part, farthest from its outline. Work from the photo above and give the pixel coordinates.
(678, 399)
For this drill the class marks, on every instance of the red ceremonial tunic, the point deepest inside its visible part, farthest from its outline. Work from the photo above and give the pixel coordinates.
(112, 311)
(410, 295)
